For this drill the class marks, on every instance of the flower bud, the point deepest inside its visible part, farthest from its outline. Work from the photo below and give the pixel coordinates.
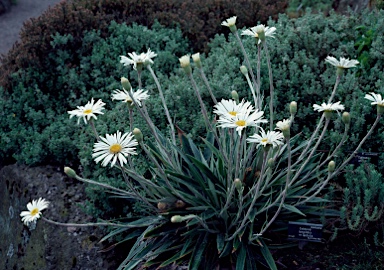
(70, 172)
(293, 107)
(126, 84)
(180, 204)
(185, 63)
(138, 135)
(197, 60)
(346, 117)
(177, 219)
(235, 96)
(244, 70)
(238, 184)
(271, 163)
(331, 166)
(162, 206)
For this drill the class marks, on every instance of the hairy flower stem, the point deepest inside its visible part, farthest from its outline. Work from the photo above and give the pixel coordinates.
(130, 118)
(258, 71)
(123, 192)
(92, 124)
(257, 101)
(88, 224)
(229, 197)
(202, 75)
(247, 61)
(311, 154)
(205, 114)
(255, 197)
(317, 191)
(284, 193)
(241, 141)
(333, 153)
(132, 188)
(334, 89)
(314, 134)
(164, 104)
(138, 79)
(231, 143)
(271, 92)
(163, 174)
(358, 147)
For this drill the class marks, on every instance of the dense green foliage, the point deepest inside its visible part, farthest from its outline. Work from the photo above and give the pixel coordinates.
(35, 126)
(199, 20)
(301, 74)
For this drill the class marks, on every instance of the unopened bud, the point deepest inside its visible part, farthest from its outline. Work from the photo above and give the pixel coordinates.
(185, 63)
(293, 107)
(331, 166)
(176, 219)
(238, 184)
(271, 163)
(235, 96)
(70, 172)
(180, 204)
(162, 206)
(138, 135)
(197, 60)
(346, 117)
(244, 70)
(125, 83)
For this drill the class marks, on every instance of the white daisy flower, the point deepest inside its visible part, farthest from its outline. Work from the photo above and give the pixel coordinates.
(114, 147)
(124, 96)
(229, 22)
(343, 63)
(137, 59)
(88, 111)
(260, 32)
(34, 210)
(229, 108)
(247, 118)
(269, 138)
(329, 107)
(375, 98)
(283, 125)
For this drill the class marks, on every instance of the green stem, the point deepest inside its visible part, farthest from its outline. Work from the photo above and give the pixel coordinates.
(246, 60)
(164, 104)
(202, 74)
(88, 224)
(358, 147)
(311, 154)
(270, 85)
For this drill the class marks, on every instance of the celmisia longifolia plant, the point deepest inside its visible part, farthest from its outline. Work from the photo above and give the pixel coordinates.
(219, 199)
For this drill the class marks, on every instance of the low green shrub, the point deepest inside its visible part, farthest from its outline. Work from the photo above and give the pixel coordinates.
(199, 21)
(34, 121)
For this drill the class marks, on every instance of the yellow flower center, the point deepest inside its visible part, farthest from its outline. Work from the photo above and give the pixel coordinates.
(115, 148)
(88, 111)
(232, 113)
(34, 211)
(241, 123)
(264, 140)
